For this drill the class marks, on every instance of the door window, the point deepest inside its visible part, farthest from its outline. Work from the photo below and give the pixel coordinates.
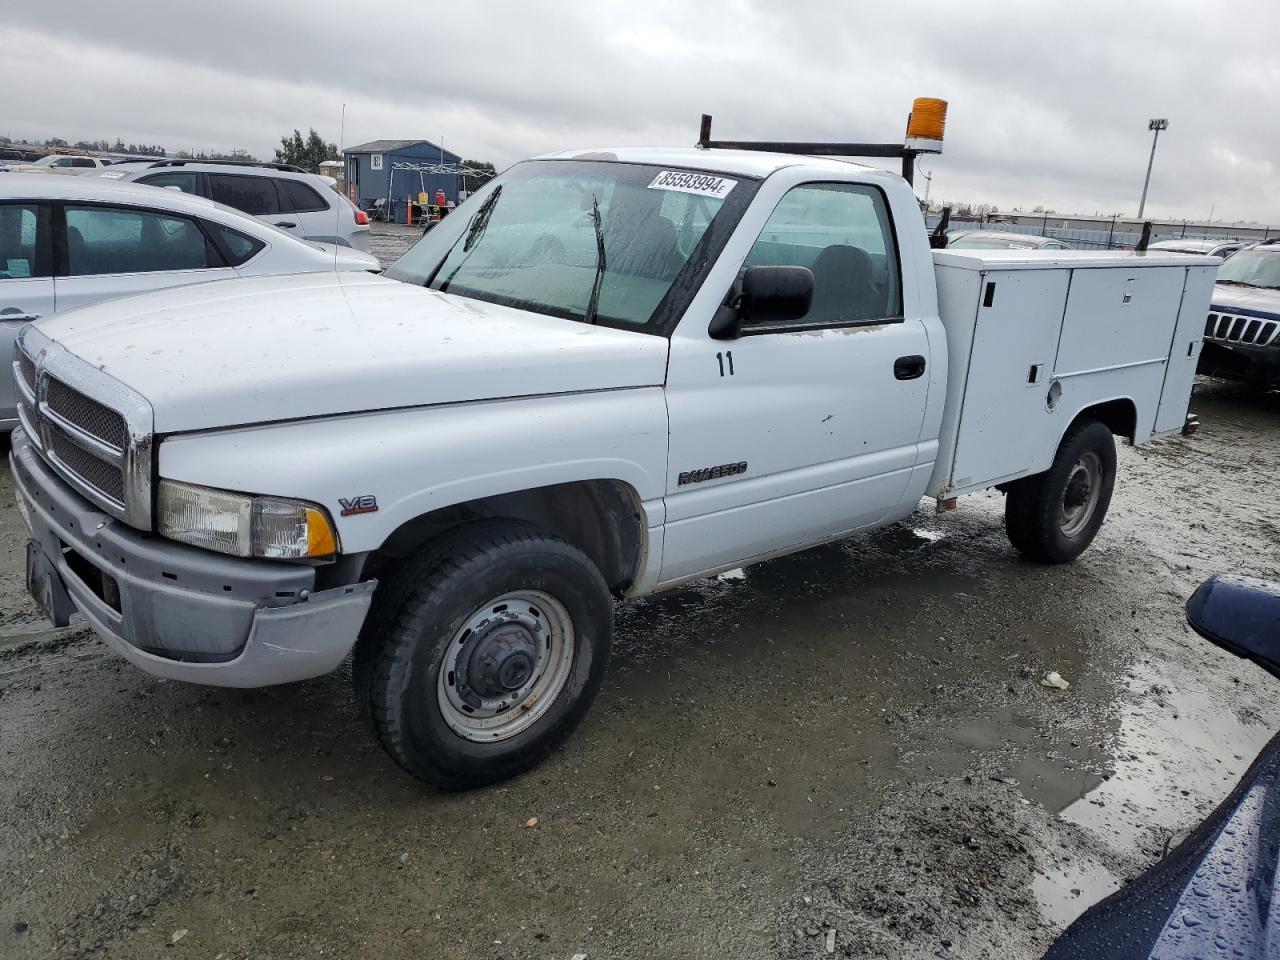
(239, 247)
(302, 197)
(102, 240)
(18, 248)
(842, 233)
(253, 195)
(186, 182)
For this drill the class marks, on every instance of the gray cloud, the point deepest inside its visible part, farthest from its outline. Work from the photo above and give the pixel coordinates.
(1049, 101)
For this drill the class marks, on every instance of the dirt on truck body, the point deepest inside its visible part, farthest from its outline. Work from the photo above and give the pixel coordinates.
(849, 751)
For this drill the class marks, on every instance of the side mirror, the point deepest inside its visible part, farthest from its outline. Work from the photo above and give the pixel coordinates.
(768, 294)
(1239, 614)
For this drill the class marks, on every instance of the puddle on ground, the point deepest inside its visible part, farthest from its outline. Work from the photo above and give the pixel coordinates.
(1177, 753)
(20, 634)
(1176, 746)
(1067, 890)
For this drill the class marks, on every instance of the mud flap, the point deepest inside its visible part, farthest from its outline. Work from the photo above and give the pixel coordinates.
(46, 587)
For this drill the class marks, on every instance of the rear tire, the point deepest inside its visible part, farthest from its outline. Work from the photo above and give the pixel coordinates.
(483, 653)
(1054, 516)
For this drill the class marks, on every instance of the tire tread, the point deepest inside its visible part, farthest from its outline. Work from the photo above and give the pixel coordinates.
(383, 653)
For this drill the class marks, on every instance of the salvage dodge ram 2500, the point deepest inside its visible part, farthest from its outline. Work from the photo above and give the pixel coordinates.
(607, 374)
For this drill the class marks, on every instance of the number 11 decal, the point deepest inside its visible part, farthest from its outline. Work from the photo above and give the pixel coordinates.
(721, 358)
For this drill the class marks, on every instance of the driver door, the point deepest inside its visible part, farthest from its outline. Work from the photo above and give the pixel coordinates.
(797, 433)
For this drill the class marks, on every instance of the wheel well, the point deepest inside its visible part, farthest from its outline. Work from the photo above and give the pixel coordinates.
(600, 517)
(1120, 416)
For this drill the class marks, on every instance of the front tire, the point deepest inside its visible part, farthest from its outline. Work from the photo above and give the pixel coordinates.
(1054, 516)
(483, 654)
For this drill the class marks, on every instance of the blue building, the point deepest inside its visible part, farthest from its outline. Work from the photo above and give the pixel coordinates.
(385, 170)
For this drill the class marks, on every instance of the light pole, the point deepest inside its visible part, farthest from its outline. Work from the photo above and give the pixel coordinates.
(928, 182)
(1157, 125)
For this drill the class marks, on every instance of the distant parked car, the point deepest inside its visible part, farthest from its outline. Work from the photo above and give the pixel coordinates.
(1242, 331)
(1198, 246)
(68, 242)
(999, 240)
(55, 163)
(285, 196)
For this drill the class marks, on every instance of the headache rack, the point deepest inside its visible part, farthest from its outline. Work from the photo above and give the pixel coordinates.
(925, 126)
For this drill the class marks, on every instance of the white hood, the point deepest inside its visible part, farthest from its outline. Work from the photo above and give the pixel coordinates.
(281, 348)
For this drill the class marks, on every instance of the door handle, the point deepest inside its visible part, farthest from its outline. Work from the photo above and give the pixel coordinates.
(909, 368)
(287, 224)
(7, 317)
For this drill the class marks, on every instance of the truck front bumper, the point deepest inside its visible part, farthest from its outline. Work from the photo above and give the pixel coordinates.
(173, 610)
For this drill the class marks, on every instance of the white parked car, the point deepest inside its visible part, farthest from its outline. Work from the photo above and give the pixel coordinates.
(57, 163)
(1001, 240)
(285, 196)
(1199, 246)
(68, 243)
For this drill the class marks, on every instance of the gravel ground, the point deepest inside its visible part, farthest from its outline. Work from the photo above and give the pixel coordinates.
(387, 241)
(843, 752)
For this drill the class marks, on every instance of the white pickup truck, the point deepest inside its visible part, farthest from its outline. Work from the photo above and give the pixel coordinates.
(607, 374)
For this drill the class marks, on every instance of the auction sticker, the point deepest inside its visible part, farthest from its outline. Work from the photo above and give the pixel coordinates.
(702, 184)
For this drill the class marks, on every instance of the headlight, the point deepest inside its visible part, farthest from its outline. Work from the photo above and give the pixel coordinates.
(244, 526)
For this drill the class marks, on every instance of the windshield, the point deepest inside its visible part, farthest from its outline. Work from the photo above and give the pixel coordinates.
(1256, 268)
(562, 236)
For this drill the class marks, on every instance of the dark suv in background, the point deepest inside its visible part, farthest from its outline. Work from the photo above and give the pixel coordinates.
(1242, 331)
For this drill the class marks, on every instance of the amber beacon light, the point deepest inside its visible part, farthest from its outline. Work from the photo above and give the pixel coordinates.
(925, 125)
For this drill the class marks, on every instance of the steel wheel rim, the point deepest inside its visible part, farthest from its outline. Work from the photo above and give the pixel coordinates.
(480, 688)
(1081, 494)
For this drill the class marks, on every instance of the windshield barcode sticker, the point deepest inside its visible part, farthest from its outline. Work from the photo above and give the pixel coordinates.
(704, 185)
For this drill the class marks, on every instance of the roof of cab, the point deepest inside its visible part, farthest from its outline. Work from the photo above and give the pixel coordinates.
(741, 163)
(49, 186)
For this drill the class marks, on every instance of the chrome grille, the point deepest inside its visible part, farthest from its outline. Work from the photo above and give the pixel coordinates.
(1234, 328)
(27, 370)
(106, 478)
(100, 422)
(96, 434)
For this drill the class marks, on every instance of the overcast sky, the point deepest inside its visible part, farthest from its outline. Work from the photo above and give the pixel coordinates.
(1049, 101)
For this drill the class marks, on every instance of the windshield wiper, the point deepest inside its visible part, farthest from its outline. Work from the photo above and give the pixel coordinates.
(475, 230)
(594, 301)
(1241, 283)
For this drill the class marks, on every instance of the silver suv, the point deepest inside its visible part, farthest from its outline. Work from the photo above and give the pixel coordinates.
(285, 196)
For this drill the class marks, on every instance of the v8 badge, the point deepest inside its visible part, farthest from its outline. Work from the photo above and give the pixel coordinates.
(364, 504)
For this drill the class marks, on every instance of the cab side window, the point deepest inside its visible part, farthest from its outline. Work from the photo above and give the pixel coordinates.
(842, 233)
(104, 240)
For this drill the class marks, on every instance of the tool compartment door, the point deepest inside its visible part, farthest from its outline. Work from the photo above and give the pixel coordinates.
(1003, 416)
(1119, 317)
(1184, 353)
